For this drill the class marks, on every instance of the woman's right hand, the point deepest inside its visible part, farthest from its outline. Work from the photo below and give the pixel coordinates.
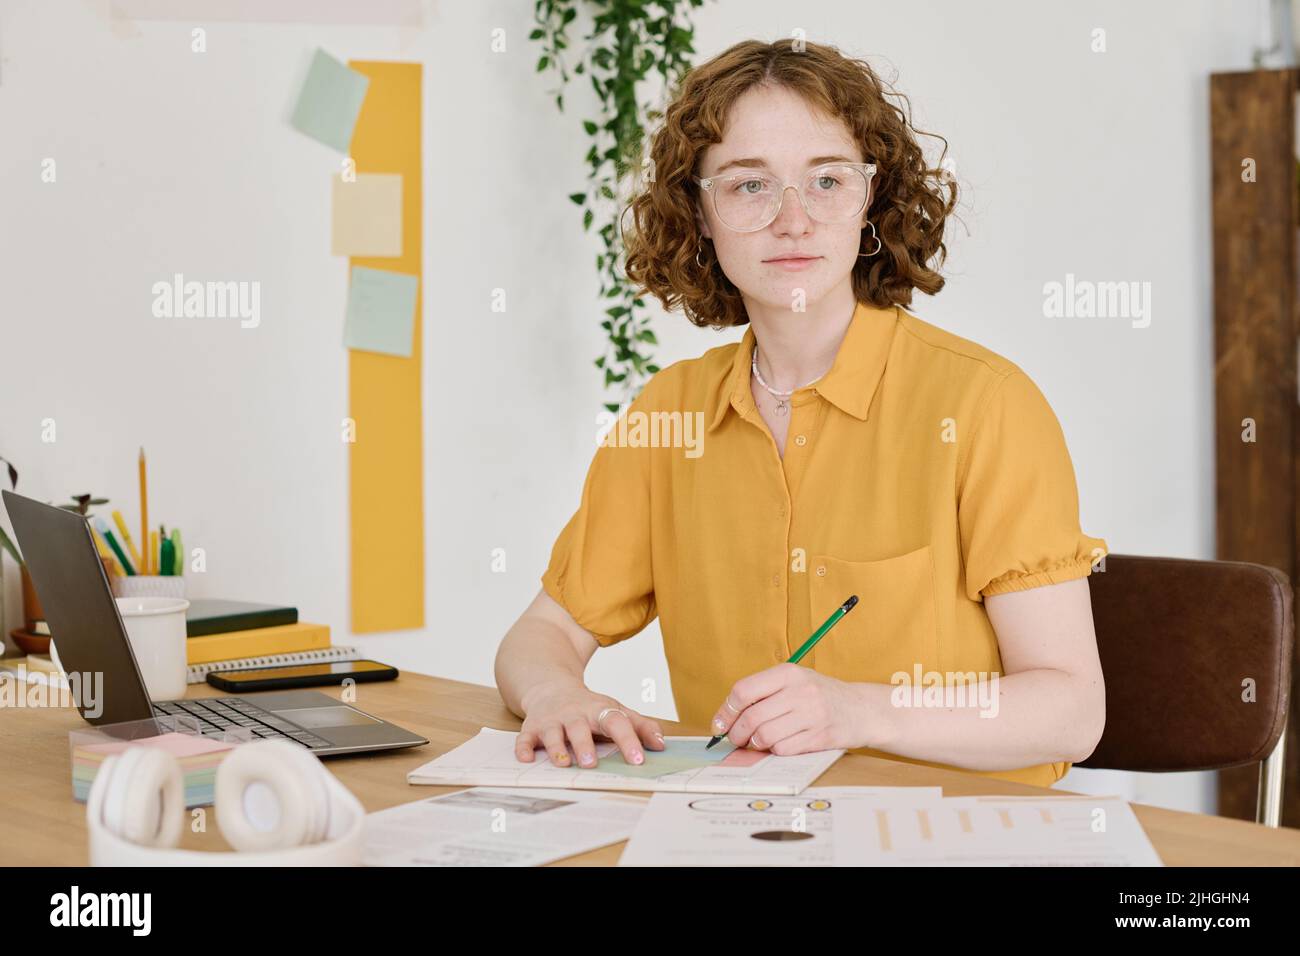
(564, 715)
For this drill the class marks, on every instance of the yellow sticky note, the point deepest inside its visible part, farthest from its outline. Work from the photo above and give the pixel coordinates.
(367, 215)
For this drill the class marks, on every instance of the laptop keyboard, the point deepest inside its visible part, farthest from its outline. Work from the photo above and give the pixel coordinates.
(219, 714)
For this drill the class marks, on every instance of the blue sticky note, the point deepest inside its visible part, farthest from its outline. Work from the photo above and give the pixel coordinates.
(330, 102)
(381, 312)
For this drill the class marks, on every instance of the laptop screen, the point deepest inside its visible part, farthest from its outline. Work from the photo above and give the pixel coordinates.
(85, 625)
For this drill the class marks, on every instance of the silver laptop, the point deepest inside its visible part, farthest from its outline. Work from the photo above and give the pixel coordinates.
(59, 550)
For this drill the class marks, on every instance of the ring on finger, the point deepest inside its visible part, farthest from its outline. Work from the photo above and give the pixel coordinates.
(608, 710)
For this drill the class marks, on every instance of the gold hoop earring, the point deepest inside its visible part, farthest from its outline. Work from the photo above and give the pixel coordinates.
(699, 248)
(875, 237)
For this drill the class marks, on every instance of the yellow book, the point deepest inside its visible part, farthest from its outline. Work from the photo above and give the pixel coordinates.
(258, 642)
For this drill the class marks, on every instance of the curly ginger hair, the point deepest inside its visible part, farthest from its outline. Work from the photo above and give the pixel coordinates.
(909, 206)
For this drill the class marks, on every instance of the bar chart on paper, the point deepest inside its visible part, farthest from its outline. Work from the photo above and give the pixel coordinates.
(994, 831)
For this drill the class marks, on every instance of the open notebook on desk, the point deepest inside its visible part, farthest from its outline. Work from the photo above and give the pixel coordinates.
(488, 760)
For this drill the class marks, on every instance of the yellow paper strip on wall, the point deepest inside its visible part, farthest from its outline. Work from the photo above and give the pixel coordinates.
(386, 460)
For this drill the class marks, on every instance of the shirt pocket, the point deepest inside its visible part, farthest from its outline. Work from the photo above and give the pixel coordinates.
(892, 628)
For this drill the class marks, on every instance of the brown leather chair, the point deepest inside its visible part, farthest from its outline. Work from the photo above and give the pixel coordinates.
(1178, 640)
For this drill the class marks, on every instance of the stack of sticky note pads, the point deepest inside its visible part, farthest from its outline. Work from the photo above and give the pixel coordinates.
(198, 757)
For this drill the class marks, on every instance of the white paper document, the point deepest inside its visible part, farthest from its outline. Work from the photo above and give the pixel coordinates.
(753, 830)
(484, 826)
(489, 760)
(993, 831)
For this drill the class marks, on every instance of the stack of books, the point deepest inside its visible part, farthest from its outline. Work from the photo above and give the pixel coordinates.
(233, 635)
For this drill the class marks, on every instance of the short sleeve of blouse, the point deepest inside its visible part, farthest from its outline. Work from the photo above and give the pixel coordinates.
(1018, 502)
(600, 568)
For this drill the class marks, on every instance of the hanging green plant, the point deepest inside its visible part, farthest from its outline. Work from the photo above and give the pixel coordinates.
(628, 39)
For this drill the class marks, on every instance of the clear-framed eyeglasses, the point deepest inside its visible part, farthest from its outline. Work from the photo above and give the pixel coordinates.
(749, 200)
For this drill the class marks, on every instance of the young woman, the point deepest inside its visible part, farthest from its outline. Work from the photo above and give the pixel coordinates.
(846, 448)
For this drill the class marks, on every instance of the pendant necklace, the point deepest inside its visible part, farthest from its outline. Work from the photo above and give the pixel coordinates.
(782, 403)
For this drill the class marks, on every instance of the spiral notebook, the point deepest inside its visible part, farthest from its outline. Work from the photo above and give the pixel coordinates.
(198, 673)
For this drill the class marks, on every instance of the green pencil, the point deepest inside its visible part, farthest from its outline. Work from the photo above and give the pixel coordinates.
(177, 554)
(807, 645)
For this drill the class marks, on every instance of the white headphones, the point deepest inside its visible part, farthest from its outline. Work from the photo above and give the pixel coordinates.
(276, 804)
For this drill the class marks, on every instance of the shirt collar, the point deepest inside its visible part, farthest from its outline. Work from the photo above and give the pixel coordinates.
(849, 385)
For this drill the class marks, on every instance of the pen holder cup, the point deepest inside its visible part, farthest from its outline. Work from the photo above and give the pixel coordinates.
(199, 754)
(148, 585)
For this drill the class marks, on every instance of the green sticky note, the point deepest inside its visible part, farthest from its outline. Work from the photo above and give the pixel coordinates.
(676, 756)
(381, 311)
(330, 102)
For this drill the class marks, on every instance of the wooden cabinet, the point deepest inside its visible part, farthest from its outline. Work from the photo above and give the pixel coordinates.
(1256, 212)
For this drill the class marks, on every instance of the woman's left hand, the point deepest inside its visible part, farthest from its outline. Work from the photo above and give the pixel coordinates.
(791, 709)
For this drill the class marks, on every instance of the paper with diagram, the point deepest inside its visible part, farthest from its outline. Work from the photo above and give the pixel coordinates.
(994, 831)
(486, 826)
(748, 830)
(489, 760)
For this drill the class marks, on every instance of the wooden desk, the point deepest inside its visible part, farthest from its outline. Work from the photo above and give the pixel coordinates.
(42, 825)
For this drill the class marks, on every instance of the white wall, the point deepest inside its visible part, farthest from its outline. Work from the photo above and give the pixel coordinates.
(170, 161)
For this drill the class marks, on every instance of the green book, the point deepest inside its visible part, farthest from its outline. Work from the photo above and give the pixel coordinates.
(215, 616)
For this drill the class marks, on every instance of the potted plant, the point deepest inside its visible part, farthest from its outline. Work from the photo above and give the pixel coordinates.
(26, 637)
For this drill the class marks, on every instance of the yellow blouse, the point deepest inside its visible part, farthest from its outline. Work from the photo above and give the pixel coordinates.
(922, 473)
